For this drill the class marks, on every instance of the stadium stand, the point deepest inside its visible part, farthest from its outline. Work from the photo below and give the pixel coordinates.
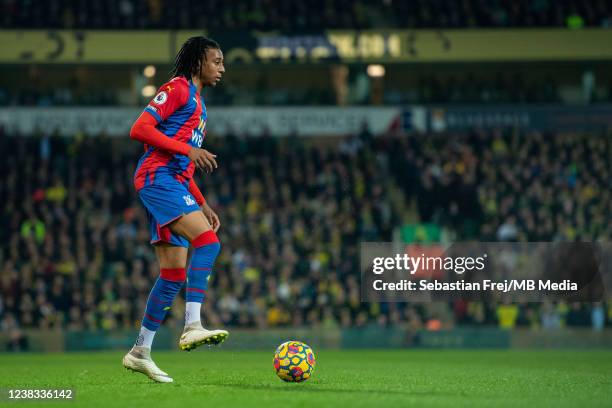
(293, 211)
(290, 16)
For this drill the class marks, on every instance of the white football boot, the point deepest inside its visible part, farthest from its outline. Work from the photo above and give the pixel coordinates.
(139, 360)
(195, 335)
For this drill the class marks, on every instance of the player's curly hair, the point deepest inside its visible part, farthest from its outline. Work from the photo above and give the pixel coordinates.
(188, 61)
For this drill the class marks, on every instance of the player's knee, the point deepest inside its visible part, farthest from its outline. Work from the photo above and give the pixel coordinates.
(173, 274)
(208, 239)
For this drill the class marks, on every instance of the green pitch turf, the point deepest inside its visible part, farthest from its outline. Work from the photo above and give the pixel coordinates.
(342, 379)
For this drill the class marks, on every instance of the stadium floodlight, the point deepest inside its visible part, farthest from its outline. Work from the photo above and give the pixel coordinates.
(376, 70)
(148, 91)
(149, 71)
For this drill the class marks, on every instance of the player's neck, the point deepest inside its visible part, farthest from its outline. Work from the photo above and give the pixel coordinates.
(197, 82)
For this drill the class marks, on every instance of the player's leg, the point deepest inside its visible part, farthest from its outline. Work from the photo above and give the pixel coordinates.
(172, 260)
(197, 230)
(172, 256)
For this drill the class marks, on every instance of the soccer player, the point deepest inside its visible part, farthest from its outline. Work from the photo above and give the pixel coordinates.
(172, 128)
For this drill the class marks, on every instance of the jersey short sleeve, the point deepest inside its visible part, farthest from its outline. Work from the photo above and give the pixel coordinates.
(170, 97)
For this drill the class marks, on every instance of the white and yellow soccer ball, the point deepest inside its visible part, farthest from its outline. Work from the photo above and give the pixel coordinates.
(294, 361)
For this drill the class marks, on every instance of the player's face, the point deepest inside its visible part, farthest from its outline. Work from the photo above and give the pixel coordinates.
(212, 67)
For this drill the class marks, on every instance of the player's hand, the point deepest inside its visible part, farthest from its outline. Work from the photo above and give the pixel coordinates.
(203, 159)
(211, 216)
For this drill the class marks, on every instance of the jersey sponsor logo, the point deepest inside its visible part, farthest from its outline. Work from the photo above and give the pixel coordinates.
(197, 135)
(153, 108)
(189, 200)
(197, 138)
(160, 98)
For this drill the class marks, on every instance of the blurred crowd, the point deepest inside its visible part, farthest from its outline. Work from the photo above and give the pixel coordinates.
(74, 239)
(71, 95)
(218, 15)
(511, 186)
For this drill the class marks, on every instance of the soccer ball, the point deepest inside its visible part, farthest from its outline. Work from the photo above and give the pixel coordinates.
(294, 361)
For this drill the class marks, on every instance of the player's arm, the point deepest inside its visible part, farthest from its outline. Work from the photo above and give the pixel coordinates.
(196, 193)
(144, 130)
(210, 215)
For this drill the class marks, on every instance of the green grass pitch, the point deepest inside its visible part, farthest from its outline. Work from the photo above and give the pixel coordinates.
(342, 379)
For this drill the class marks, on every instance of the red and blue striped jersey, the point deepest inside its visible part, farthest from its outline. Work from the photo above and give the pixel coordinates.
(181, 114)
